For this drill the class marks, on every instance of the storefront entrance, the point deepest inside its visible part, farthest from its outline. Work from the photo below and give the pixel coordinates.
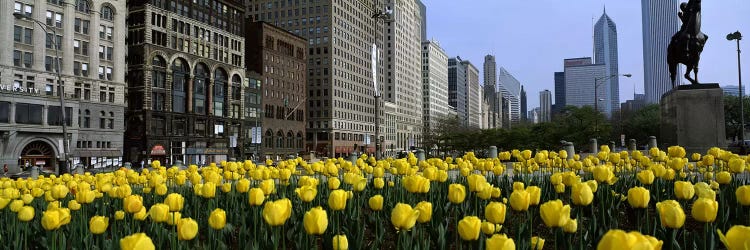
(38, 153)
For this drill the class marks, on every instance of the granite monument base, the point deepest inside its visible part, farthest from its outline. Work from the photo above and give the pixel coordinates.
(692, 116)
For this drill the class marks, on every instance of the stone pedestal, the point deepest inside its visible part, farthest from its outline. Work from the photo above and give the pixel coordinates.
(692, 116)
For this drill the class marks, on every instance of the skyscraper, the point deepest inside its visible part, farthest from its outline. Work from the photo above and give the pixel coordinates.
(490, 91)
(510, 88)
(605, 52)
(403, 84)
(579, 81)
(473, 95)
(423, 14)
(524, 105)
(340, 36)
(559, 92)
(457, 87)
(434, 84)
(545, 106)
(660, 22)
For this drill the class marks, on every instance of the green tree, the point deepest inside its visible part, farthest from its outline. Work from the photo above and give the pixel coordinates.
(580, 124)
(643, 123)
(732, 115)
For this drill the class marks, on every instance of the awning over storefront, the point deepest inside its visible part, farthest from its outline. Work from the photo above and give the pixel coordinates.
(158, 150)
(99, 153)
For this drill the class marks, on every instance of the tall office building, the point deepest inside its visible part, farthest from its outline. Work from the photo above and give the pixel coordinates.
(403, 84)
(510, 88)
(524, 105)
(434, 85)
(340, 35)
(186, 71)
(605, 52)
(579, 81)
(534, 115)
(545, 106)
(457, 91)
(280, 59)
(423, 14)
(473, 95)
(660, 22)
(559, 105)
(490, 91)
(30, 111)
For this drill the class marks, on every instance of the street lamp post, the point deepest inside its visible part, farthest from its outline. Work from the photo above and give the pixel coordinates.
(737, 36)
(61, 86)
(596, 87)
(386, 17)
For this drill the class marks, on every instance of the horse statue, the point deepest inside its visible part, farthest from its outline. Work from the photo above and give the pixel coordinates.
(687, 44)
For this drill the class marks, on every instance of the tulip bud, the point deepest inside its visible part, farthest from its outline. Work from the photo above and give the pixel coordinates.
(425, 211)
(275, 213)
(537, 243)
(495, 212)
(571, 226)
(501, 242)
(256, 196)
(638, 197)
(376, 203)
(26, 213)
(671, 214)
(98, 224)
(187, 229)
(736, 237)
(137, 241)
(582, 194)
(340, 242)
(554, 214)
(519, 200)
(488, 228)
(456, 193)
(218, 219)
(337, 199)
(684, 190)
(175, 202)
(618, 239)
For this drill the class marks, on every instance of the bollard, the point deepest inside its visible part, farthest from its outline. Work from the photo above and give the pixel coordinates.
(420, 155)
(178, 164)
(594, 146)
(353, 159)
(127, 165)
(652, 142)
(493, 152)
(570, 148)
(632, 146)
(612, 146)
(34, 172)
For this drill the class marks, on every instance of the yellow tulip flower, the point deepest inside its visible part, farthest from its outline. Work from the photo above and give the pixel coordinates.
(26, 213)
(638, 197)
(376, 202)
(275, 213)
(456, 193)
(554, 214)
(705, 210)
(120, 215)
(724, 177)
(742, 193)
(256, 196)
(495, 212)
(500, 242)
(646, 177)
(139, 216)
(137, 241)
(51, 219)
(582, 194)
(306, 193)
(425, 211)
(187, 229)
(98, 224)
(684, 190)
(671, 214)
(175, 202)
(315, 221)
(488, 228)
(218, 219)
(469, 227)
(616, 239)
(537, 243)
(403, 217)
(337, 199)
(520, 200)
(340, 242)
(571, 226)
(159, 212)
(736, 237)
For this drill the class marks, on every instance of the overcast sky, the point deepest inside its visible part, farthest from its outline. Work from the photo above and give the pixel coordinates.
(530, 38)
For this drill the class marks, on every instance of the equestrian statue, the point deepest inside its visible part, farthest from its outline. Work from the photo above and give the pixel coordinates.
(687, 44)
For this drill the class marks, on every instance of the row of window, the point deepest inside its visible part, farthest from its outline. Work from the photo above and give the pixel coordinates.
(106, 121)
(26, 113)
(89, 144)
(84, 6)
(280, 141)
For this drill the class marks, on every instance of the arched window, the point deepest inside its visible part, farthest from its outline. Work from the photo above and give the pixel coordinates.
(220, 83)
(236, 87)
(83, 6)
(199, 88)
(107, 13)
(158, 80)
(300, 142)
(279, 139)
(289, 140)
(269, 139)
(180, 73)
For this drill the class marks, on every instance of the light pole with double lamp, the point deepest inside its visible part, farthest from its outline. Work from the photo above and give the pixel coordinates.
(60, 90)
(387, 17)
(737, 36)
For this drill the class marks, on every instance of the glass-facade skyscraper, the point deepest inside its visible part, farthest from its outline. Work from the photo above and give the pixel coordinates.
(605, 52)
(660, 22)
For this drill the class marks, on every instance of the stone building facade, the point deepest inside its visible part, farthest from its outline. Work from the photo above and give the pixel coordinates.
(90, 38)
